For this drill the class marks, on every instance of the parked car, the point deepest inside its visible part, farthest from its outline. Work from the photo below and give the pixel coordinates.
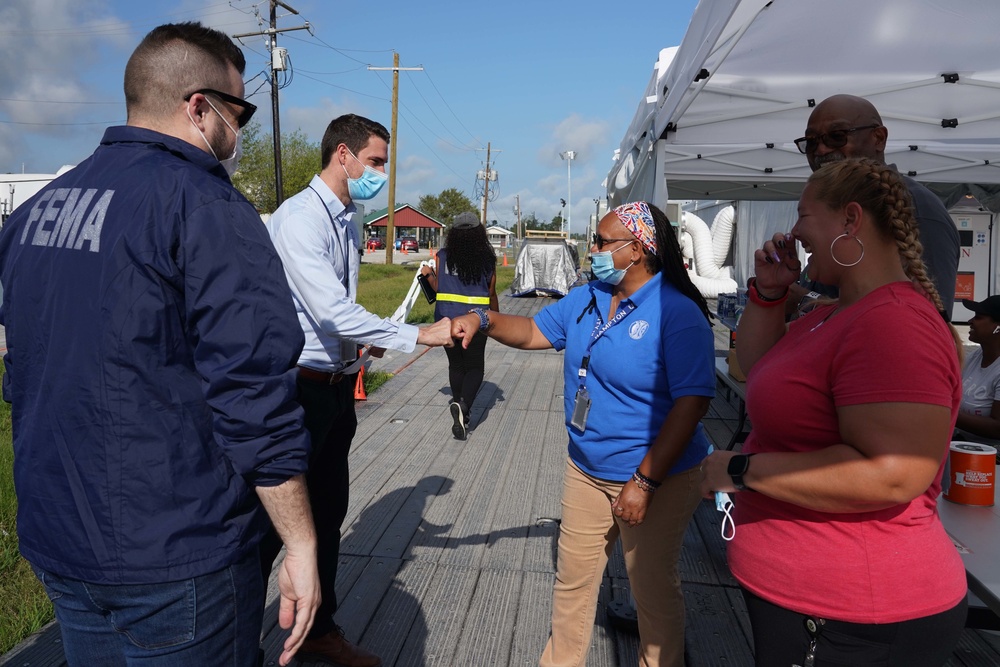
(409, 243)
(375, 243)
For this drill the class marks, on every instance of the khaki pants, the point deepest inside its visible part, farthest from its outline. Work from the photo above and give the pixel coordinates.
(587, 534)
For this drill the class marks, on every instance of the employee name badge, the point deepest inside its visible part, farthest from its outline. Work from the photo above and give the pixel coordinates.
(581, 408)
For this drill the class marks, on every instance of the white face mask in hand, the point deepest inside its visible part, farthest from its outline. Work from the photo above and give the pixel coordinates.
(724, 504)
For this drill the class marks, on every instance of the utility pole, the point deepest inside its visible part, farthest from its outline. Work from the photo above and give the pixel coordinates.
(486, 181)
(278, 64)
(569, 156)
(390, 226)
(597, 220)
(517, 227)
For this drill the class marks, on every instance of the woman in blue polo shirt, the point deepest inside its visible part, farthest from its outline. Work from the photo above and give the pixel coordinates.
(466, 278)
(640, 373)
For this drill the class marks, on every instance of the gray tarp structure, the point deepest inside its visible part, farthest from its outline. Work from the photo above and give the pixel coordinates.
(721, 111)
(550, 267)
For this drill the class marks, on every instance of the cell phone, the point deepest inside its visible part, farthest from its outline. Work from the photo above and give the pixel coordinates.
(425, 286)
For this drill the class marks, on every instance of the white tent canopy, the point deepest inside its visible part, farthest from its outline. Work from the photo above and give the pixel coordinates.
(722, 110)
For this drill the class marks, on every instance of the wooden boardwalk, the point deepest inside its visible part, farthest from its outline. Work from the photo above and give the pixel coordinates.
(448, 555)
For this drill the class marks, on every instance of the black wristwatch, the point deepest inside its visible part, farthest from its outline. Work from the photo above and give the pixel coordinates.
(738, 466)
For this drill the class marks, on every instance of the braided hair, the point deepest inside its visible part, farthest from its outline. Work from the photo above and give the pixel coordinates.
(880, 191)
(469, 254)
(669, 261)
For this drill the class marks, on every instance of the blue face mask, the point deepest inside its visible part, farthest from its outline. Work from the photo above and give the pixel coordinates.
(368, 185)
(603, 266)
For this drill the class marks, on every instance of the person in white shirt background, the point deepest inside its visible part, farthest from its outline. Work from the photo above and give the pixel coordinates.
(979, 414)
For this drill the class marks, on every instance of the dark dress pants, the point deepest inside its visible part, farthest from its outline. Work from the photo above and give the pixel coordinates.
(331, 421)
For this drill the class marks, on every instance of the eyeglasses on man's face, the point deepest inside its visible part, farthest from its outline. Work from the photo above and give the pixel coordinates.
(599, 242)
(247, 109)
(831, 139)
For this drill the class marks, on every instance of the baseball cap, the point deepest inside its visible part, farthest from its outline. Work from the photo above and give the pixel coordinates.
(990, 306)
(465, 221)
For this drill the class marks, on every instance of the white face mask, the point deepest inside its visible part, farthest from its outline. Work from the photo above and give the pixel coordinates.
(231, 163)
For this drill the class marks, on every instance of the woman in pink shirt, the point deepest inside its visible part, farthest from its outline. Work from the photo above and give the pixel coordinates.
(838, 547)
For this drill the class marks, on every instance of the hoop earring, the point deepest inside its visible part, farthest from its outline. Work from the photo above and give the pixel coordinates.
(834, 256)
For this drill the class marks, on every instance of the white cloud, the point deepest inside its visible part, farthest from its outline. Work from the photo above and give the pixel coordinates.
(55, 43)
(587, 138)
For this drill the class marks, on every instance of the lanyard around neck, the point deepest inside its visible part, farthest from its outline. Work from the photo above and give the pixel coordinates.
(346, 278)
(599, 330)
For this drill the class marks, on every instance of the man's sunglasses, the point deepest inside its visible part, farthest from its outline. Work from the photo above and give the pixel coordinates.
(832, 139)
(248, 109)
(599, 242)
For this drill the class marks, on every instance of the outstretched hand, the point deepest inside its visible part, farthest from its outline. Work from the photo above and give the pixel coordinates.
(464, 327)
(776, 264)
(436, 334)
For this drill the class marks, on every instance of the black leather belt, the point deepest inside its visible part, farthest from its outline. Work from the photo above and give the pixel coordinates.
(319, 376)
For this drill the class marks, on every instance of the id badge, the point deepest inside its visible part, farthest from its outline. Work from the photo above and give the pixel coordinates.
(581, 408)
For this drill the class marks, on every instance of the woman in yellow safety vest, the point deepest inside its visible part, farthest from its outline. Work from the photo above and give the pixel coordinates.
(466, 278)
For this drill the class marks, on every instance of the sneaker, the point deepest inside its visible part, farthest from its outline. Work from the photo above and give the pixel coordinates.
(458, 428)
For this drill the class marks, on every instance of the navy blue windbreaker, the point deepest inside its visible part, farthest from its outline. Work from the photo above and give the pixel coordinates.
(151, 348)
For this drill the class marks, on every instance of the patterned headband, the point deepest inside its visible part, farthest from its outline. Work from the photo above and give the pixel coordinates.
(638, 220)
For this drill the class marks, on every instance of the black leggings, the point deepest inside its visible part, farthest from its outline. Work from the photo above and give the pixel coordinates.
(781, 640)
(465, 370)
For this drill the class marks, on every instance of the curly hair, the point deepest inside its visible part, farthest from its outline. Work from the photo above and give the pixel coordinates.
(669, 261)
(881, 191)
(469, 254)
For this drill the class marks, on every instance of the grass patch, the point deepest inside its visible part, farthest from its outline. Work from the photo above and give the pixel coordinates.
(24, 607)
(375, 379)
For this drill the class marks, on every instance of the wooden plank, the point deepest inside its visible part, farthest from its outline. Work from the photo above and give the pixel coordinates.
(714, 635)
(445, 607)
(512, 508)
(400, 615)
(42, 649)
(531, 631)
(356, 609)
(468, 544)
(490, 620)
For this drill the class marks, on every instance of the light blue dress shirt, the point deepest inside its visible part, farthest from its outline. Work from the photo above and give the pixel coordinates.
(318, 246)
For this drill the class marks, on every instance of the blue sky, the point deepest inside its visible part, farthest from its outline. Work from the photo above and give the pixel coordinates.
(530, 78)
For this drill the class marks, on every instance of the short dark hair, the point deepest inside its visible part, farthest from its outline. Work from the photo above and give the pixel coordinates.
(162, 69)
(351, 130)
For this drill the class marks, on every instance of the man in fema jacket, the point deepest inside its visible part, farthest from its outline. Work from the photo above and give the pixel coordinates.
(151, 373)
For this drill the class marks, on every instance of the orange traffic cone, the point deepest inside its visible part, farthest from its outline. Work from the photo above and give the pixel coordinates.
(359, 386)
(505, 259)
(403, 248)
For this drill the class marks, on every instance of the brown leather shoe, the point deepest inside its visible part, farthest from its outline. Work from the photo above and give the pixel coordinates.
(334, 649)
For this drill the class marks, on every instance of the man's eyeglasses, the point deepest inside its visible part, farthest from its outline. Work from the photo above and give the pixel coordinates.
(832, 139)
(599, 242)
(248, 109)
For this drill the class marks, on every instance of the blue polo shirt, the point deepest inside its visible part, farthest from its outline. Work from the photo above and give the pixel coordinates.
(660, 351)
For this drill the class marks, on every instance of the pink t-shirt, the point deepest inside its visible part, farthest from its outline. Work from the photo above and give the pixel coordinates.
(884, 566)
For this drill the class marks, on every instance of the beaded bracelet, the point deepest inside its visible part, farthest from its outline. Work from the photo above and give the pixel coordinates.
(755, 297)
(645, 483)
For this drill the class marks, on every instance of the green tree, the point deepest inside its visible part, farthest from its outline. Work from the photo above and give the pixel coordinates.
(445, 206)
(300, 160)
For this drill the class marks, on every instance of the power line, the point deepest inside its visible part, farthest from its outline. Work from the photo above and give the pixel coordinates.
(433, 113)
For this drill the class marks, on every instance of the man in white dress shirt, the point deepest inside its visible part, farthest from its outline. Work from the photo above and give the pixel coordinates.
(318, 246)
